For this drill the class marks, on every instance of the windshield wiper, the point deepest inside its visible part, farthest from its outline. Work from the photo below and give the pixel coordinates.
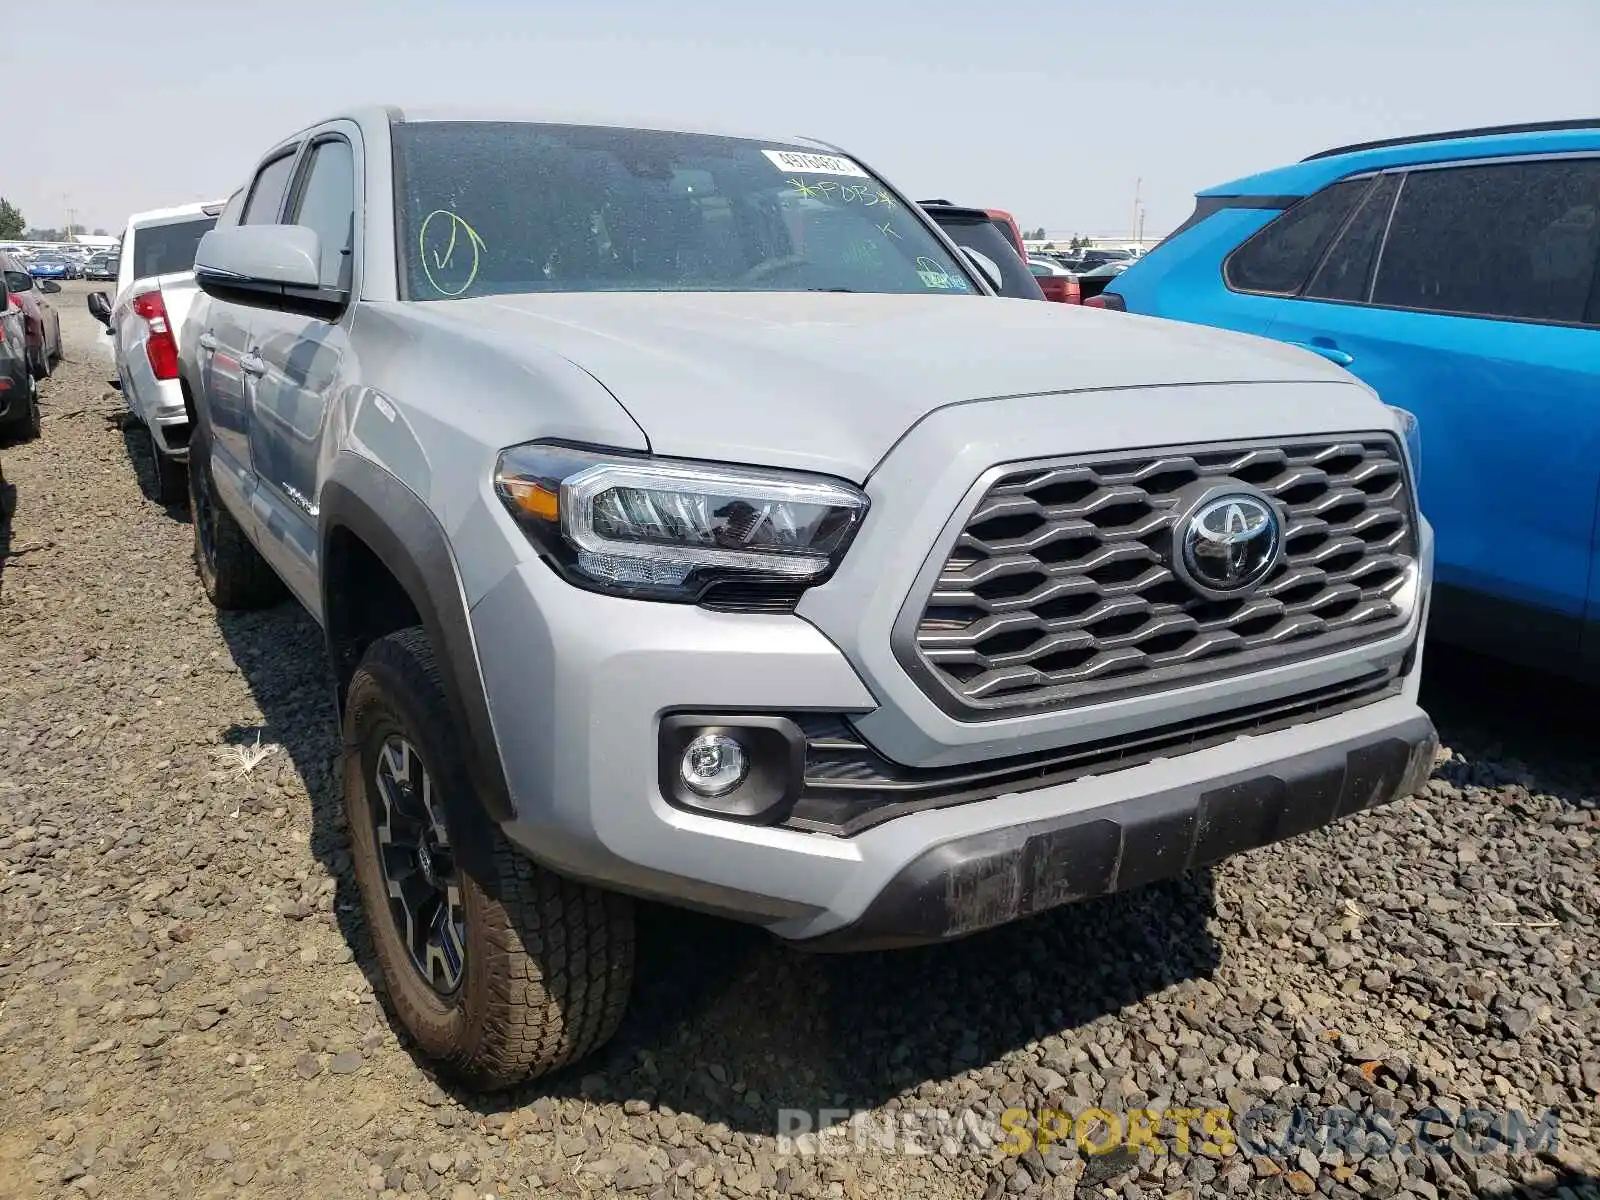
(832, 289)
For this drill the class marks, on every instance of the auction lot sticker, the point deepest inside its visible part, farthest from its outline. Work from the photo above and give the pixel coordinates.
(799, 162)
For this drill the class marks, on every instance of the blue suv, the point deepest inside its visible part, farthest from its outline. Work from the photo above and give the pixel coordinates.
(1459, 275)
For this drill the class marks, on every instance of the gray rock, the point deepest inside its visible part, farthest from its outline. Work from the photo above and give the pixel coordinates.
(346, 1062)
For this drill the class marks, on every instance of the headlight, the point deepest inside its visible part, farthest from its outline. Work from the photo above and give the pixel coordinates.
(667, 529)
(1412, 428)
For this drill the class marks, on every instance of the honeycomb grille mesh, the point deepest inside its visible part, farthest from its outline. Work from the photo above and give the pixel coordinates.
(1060, 588)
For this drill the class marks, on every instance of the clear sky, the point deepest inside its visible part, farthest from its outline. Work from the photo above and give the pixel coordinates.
(1051, 109)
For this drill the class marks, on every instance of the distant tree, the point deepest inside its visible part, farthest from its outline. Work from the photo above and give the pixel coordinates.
(1039, 234)
(43, 235)
(11, 222)
(102, 233)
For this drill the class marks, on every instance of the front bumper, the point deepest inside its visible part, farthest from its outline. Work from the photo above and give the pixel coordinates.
(969, 884)
(578, 683)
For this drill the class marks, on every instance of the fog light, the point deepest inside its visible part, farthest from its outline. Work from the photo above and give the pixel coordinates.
(713, 765)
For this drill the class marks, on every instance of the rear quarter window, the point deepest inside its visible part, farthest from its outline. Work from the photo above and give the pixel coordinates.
(1279, 257)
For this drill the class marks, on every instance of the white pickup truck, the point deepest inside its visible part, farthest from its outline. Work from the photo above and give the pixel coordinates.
(155, 285)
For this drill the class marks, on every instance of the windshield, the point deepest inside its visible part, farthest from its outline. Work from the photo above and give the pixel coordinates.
(494, 208)
(167, 249)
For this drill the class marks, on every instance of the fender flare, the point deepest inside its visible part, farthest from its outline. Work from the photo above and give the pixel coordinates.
(394, 523)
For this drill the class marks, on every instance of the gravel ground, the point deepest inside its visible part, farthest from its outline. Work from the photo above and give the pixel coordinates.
(185, 1009)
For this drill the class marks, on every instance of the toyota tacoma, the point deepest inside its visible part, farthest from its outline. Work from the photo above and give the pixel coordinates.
(689, 521)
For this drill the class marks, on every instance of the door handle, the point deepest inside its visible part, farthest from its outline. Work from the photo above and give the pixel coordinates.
(208, 340)
(253, 364)
(1328, 351)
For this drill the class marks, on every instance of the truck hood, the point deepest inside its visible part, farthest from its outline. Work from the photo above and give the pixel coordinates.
(828, 382)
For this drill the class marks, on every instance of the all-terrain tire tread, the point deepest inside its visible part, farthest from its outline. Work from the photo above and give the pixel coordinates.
(558, 954)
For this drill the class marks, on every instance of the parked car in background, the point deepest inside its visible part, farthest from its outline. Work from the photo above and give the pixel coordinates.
(49, 265)
(737, 550)
(1459, 274)
(1007, 224)
(101, 266)
(19, 387)
(155, 285)
(43, 322)
(1090, 258)
(1055, 281)
(1094, 281)
(976, 232)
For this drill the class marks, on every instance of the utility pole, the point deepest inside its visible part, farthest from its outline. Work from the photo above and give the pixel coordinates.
(1138, 184)
(66, 202)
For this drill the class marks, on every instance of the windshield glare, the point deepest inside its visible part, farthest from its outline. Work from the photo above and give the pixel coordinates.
(495, 208)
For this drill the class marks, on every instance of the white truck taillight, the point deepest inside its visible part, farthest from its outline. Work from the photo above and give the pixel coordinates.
(159, 346)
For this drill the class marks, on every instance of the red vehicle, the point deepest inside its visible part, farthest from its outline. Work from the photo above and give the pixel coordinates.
(1056, 282)
(43, 322)
(1061, 288)
(1007, 224)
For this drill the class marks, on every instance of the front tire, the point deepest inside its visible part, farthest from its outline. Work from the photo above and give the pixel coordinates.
(497, 977)
(231, 570)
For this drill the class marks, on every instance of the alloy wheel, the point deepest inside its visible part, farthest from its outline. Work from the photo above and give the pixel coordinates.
(418, 866)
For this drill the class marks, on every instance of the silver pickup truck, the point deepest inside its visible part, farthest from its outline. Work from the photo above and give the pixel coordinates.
(687, 519)
(155, 285)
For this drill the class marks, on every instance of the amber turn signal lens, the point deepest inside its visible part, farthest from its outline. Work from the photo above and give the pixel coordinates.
(532, 498)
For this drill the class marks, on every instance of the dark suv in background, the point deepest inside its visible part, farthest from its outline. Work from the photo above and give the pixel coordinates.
(978, 234)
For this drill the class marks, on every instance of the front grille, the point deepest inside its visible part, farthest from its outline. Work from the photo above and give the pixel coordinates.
(1060, 587)
(850, 787)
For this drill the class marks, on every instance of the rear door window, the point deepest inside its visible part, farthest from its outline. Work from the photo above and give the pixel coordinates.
(1278, 259)
(1510, 240)
(1346, 274)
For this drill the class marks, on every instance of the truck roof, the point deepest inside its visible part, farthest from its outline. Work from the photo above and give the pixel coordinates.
(372, 117)
(158, 216)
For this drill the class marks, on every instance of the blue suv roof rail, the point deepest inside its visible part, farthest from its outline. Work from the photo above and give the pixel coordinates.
(1451, 135)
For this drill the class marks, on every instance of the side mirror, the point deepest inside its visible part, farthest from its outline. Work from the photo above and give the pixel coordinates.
(989, 270)
(267, 266)
(100, 307)
(49, 287)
